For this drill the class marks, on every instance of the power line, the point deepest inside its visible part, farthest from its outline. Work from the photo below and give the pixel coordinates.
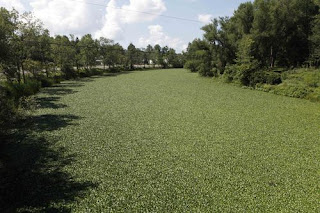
(142, 12)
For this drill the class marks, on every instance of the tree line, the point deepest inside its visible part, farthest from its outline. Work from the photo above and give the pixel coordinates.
(260, 37)
(27, 47)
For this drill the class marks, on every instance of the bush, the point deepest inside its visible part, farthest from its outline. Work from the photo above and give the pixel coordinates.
(314, 96)
(204, 70)
(265, 87)
(192, 65)
(229, 74)
(16, 90)
(96, 71)
(46, 82)
(257, 77)
(312, 79)
(7, 108)
(90, 72)
(296, 91)
(215, 72)
(57, 79)
(68, 72)
(84, 74)
(115, 69)
(273, 78)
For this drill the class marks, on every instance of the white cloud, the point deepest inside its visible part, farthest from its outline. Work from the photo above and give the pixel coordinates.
(158, 36)
(65, 17)
(9, 4)
(116, 18)
(205, 18)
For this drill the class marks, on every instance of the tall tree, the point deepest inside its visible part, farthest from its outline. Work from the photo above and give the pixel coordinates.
(150, 55)
(88, 51)
(63, 55)
(157, 51)
(131, 56)
(105, 51)
(8, 43)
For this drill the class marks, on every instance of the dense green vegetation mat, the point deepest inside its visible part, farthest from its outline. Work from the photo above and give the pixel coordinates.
(166, 141)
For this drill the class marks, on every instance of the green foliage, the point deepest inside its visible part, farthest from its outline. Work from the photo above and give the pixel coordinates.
(89, 72)
(34, 67)
(198, 58)
(230, 73)
(68, 72)
(261, 34)
(193, 145)
(89, 51)
(296, 91)
(8, 109)
(18, 90)
(298, 83)
(115, 69)
(247, 74)
(131, 56)
(46, 82)
(205, 70)
(272, 78)
(315, 40)
(315, 95)
(192, 65)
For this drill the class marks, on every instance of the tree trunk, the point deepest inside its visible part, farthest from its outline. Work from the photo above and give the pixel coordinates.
(19, 73)
(271, 58)
(23, 74)
(47, 72)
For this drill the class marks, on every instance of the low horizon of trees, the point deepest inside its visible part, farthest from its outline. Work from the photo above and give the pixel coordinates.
(261, 35)
(26, 46)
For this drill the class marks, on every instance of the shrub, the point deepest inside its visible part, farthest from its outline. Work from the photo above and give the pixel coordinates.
(204, 70)
(57, 79)
(215, 72)
(7, 108)
(95, 71)
(30, 87)
(27, 103)
(90, 72)
(46, 82)
(257, 77)
(229, 73)
(84, 74)
(249, 74)
(315, 95)
(192, 65)
(273, 78)
(312, 79)
(115, 69)
(296, 91)
(68, 72)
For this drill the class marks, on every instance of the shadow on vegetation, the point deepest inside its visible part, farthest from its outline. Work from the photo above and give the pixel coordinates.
(32, 176)
(112, 74)
(49, 102)
(119, 73)
(58, 90)
(52, 122)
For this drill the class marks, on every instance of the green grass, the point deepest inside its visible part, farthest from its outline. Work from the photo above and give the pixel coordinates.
(170, 141)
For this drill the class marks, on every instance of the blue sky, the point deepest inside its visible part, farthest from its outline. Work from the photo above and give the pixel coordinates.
(125, 26)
